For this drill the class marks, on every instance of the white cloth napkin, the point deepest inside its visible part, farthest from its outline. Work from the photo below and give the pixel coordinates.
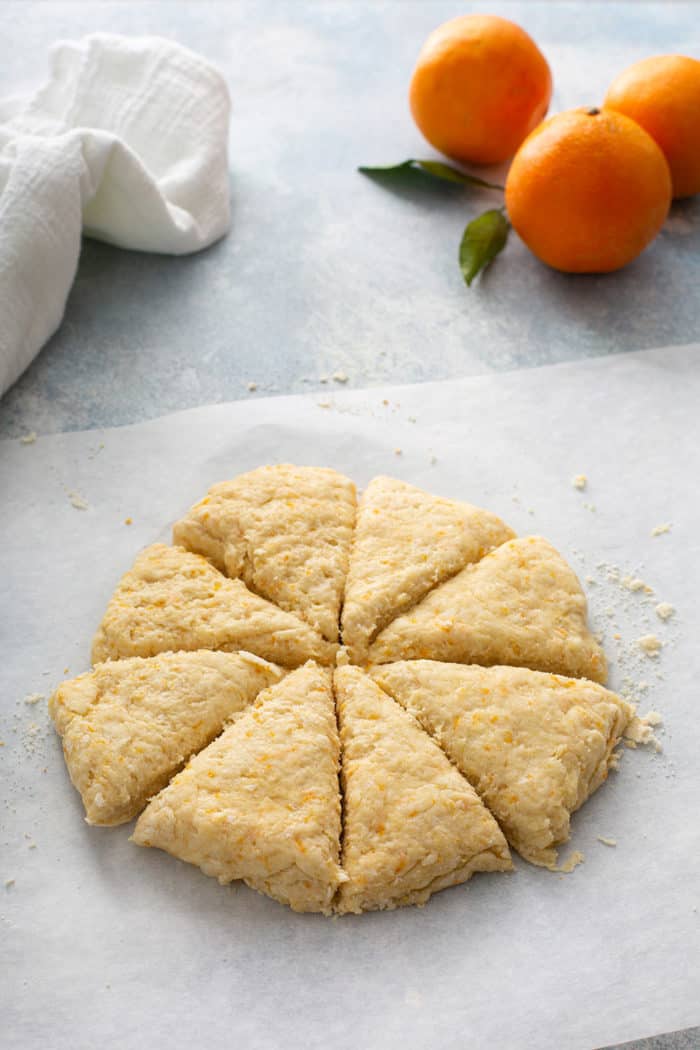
(127, 142)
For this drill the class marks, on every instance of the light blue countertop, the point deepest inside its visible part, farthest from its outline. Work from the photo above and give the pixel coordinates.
(325, 271)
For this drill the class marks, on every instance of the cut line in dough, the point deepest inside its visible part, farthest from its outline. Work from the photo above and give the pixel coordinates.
(534, 746)
(173, 600)
(285, 531)
(262, 803)
(129, 725)
(412, 823)
(521, 605)
(406, 542)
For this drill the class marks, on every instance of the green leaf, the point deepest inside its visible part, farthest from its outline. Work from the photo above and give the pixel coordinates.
(435, 168)
(481, 242)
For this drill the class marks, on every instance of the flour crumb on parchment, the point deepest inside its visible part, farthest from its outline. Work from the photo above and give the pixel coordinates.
(579, 481)
(624, 607)
(659, 530)
(640, 731)
(77, 501)
(650, 645)
(634, 583)
(571, 862)
(607, 841)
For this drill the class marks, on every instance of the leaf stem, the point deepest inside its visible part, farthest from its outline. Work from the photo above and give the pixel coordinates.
(434, 168)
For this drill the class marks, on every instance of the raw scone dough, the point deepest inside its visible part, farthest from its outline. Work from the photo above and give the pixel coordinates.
(173, 600)
(535, 746)
(129, 725)
(406, 542)
(520, 605)
(447, 718)
(285, 531)
(412, 823)
(262, 803)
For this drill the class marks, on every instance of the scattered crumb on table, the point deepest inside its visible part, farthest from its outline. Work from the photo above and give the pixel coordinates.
(579, 481)
(659, 530)
(607, 842)
(664, 610)
(28, 439)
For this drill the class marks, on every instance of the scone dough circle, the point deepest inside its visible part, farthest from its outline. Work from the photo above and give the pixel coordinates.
(348, 704)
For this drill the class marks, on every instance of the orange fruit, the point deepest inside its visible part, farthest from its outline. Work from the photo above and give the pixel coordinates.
(479, 87)
(588, 190)
(663, 95)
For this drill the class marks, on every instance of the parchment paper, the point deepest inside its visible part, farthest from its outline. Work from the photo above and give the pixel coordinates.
(104, 944)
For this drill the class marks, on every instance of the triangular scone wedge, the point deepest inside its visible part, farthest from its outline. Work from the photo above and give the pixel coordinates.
(285, 531)
(406, 542)
(172, 600)
(412, 824)
(535, 746)
(129, 725)
(521, 605)
(262, 803)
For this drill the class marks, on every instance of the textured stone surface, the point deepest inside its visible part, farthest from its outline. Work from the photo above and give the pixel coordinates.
(689, 1039)
(324, 270)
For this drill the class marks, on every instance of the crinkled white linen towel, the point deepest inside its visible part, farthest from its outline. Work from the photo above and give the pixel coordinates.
(127, 142)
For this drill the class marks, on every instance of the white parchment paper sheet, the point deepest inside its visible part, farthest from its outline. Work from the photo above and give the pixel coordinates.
(103, 944)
